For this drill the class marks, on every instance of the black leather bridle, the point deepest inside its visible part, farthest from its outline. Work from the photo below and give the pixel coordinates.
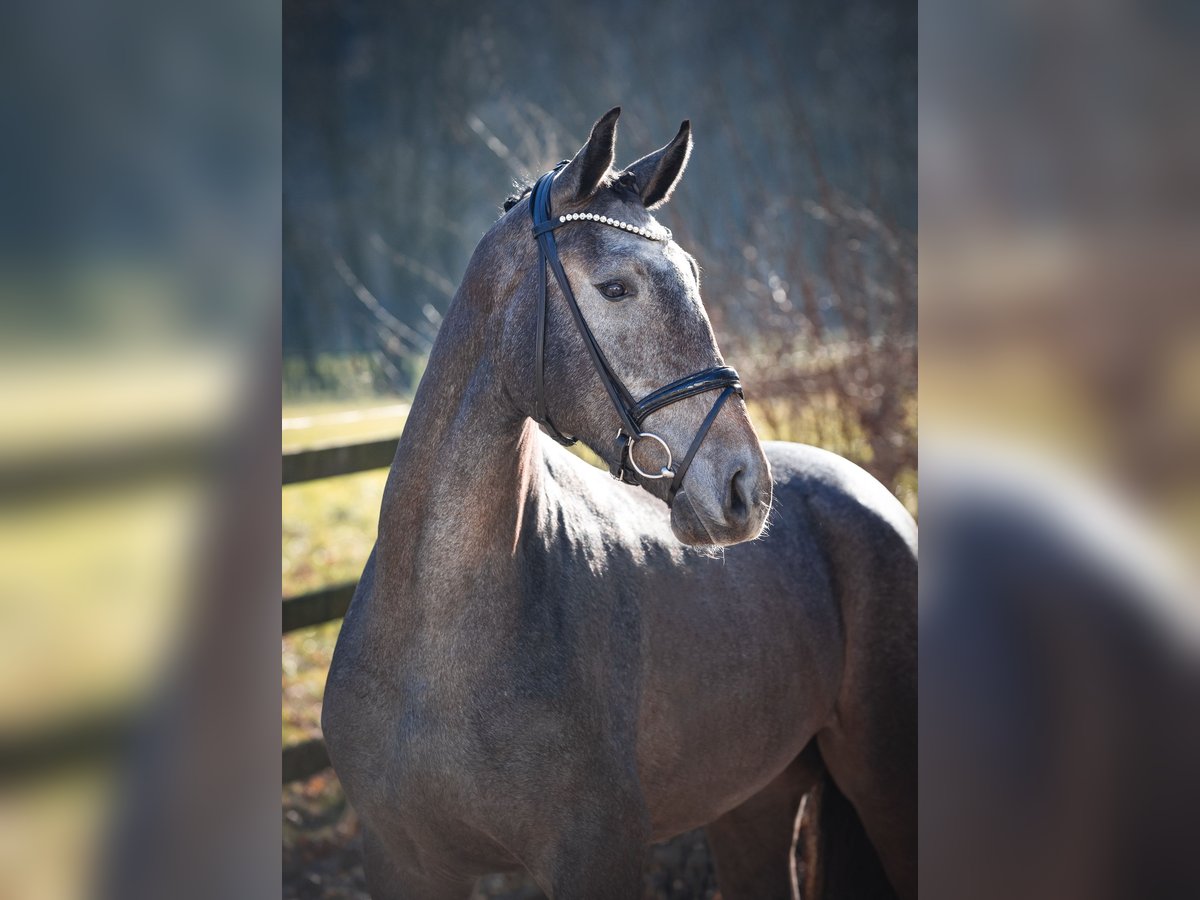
(631, 412)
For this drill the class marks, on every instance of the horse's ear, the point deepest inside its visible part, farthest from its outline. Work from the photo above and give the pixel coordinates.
(583, 174)
(658, 173)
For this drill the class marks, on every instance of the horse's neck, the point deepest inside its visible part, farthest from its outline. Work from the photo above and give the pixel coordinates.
(467, 463)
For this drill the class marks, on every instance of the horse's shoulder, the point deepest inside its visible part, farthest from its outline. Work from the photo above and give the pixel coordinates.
(834, 490)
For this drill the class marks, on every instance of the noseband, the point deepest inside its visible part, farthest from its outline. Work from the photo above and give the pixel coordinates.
(631, 412)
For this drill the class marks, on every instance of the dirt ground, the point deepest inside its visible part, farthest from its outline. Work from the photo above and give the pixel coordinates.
(322, 860)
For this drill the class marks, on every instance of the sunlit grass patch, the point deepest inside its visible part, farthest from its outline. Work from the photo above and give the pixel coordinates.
(328, 529)
(92, 592)
(813, 420)
(306, 656)
(317, 422)
(817, 420)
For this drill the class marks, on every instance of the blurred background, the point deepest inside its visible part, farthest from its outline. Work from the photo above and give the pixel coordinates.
(139, 277)
(405, 127)
(1060, 448)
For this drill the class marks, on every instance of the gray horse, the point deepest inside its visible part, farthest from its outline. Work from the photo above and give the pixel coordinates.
(546, 668)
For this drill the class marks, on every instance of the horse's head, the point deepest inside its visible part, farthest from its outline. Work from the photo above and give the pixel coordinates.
(641, 299)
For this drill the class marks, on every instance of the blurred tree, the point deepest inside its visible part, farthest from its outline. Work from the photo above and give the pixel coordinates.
(405, 125)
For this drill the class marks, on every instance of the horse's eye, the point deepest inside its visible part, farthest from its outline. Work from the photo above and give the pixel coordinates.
(613, 290)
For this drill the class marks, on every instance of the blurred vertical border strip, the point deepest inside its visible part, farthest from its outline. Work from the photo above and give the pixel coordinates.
(140, 181)
(1060, 439)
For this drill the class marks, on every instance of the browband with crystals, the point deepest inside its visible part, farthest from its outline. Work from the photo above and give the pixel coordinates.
(659, 234)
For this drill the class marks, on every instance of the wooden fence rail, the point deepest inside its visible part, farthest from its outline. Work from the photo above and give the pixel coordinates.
(337, 459)
(308, 757)
(106, 734)
(318, 607)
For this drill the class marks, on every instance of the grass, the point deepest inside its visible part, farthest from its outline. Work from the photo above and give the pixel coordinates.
(320, 421)
(92, 591)
(329, 528)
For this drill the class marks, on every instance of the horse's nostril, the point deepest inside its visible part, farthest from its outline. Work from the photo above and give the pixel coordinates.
(737, 506)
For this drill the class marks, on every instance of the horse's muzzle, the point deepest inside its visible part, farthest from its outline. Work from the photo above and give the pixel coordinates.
(725, 510)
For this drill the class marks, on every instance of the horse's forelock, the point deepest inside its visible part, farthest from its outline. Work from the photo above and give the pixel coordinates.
(624, 185)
